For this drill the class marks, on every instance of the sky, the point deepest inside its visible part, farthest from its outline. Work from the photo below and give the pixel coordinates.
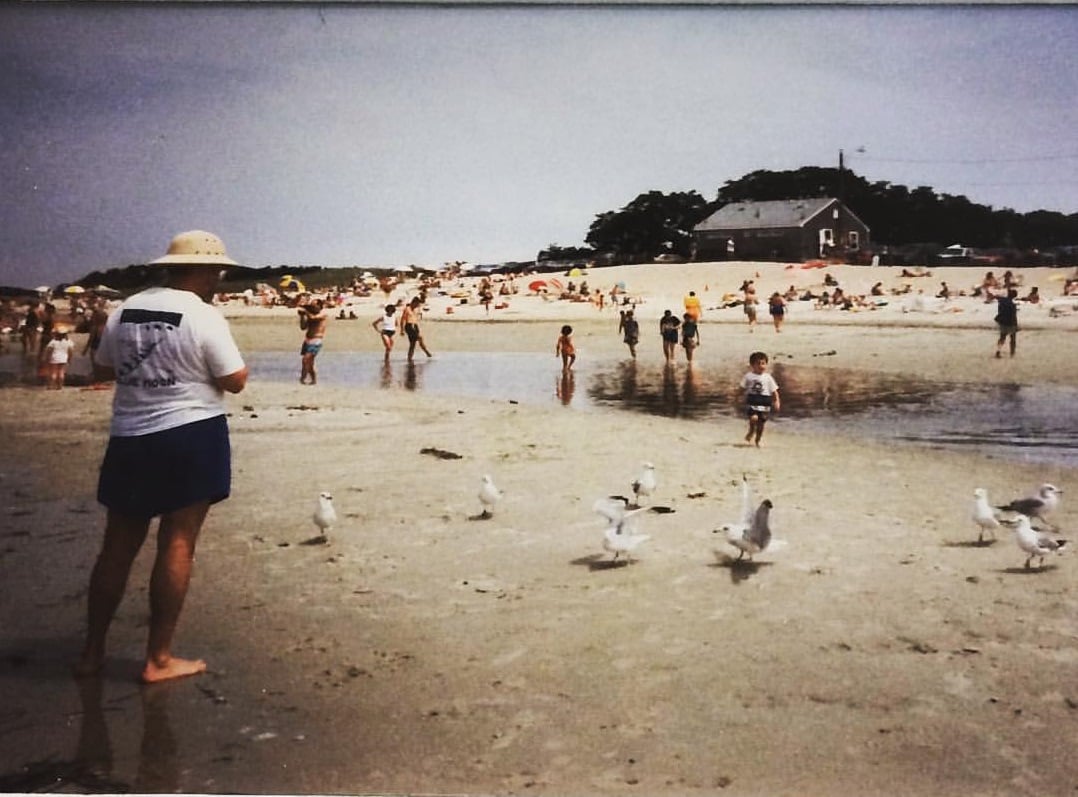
(344, 135)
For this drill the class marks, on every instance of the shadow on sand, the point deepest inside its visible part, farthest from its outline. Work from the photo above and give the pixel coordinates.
(970, 544)
(740, 569)
(598, 561)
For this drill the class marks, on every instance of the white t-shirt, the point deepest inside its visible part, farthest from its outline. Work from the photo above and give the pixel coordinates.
(58, 352)
(758, 389)
(166, 347)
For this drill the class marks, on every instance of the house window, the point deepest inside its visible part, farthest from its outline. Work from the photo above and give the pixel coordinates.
(853, 240)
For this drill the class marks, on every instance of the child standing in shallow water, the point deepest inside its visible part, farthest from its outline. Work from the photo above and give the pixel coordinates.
(565, 348)
(761, 395)
(57, 354)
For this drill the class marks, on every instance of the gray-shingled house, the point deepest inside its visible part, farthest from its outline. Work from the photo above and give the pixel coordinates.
(786, 230)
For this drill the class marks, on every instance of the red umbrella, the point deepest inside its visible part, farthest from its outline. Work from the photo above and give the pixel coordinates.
(555, 284)
(536, 285)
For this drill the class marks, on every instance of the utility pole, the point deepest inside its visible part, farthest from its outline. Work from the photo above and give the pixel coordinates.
(840, 244)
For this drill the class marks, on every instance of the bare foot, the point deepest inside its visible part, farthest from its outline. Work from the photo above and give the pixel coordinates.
(172, 668)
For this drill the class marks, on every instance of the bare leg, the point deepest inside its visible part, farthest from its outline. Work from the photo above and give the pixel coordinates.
(123, 539)
(176, 539)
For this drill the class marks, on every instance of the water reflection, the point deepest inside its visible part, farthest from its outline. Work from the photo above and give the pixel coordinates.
(565, 386)
(92, 768)
(1013, 420)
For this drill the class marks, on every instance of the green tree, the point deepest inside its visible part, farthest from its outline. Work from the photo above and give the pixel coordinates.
(652, 224)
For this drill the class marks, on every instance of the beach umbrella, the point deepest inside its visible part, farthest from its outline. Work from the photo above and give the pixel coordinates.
(556, 284)
(292, 284)
(574, 272)
(536, 285)
(43, 289)
(106, 292)
(403, 269)
(74, 289)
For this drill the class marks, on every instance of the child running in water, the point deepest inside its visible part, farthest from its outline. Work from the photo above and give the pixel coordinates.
(761, 395)
(565, 349)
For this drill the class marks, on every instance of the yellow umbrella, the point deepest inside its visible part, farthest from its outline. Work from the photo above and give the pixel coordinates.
(575, 273)
(74, 289)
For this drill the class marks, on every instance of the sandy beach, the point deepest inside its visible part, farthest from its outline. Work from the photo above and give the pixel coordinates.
(424, 651)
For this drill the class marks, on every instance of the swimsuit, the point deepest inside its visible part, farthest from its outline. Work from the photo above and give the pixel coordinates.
(311, 346)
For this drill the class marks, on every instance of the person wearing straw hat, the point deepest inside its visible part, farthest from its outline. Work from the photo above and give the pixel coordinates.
(173, 358)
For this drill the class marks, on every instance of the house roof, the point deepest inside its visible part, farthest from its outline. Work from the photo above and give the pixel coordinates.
(765, 215)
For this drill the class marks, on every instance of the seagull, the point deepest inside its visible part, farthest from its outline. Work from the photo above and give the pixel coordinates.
(489, 495)
(645, 483)
(620, 535)
(753, 533)
(1034, 543)
(1037, 506)
(983, 515)
(325, 516)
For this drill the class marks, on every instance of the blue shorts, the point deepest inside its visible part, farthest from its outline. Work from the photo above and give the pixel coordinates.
(156, 473)
(311, 346)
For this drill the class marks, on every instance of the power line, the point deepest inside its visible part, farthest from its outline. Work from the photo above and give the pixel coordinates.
(973, 161)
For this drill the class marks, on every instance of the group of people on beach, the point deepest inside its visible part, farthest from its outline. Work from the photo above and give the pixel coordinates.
(45, 337)
(313, 320)
(172, 358)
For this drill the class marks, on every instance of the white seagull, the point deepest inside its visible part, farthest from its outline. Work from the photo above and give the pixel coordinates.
(1039, 505)
(489, 495)
(644, 484)
(325, 516)
(752, 534)
(620, 536)
(983, 514)
(1033, 542)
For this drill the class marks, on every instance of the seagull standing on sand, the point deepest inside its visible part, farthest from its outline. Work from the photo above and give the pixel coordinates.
(620, 536)
(753, 533)
(325, 516)
(1039, 505)
(983, 514)
(489, 495)
(1034, 543)
(645, 483)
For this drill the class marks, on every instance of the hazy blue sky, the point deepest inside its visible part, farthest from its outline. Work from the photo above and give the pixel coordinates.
(394, 135)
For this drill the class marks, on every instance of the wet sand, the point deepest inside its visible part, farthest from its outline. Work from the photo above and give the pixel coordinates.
(423, 651)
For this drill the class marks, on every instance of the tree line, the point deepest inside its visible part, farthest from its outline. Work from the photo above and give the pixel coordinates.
(899, 218)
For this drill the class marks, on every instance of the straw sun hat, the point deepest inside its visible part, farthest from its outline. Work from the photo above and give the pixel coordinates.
(195, 248)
